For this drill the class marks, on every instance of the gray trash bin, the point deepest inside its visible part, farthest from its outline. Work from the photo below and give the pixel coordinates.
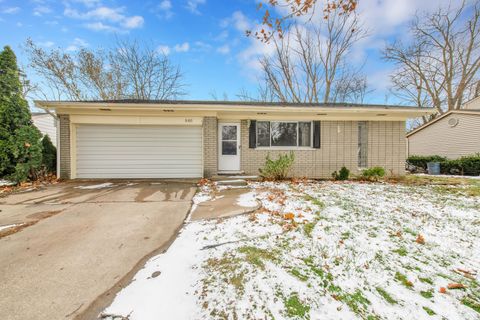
(433, 167)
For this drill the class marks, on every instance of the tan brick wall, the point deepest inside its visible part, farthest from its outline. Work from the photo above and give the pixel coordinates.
(64, 146)
(210, 142)
(387, 145)
(339, 143)
(339, 139)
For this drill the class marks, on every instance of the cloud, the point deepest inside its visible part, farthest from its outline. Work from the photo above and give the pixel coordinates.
(10, 10)
(238, 20)
(184, 47)
(180, 47)
(76, 44)
(88, 3)
(225, 49)
(106, 19)
(192, 5)
(163, 49)
(41, 10)
(165, 9)
(133, 22)
(201, 46)
(100, 26)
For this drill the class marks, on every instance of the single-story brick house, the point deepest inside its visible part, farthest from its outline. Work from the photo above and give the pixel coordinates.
(193, 139)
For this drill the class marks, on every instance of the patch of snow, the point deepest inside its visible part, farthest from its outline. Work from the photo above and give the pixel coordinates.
(6, 183)
(142, 299)
(229, 181)
(340, 244)
(247, 199)
(8, 226)
(96, 186)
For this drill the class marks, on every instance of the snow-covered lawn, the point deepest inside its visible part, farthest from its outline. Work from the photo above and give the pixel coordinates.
(320, 250)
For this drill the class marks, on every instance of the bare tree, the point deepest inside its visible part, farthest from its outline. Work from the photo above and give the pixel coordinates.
(310, 63)
(128, 70)
(440, 67)
(274, 24)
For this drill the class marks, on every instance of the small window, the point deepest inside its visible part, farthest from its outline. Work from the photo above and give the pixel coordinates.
(263, 134)
(304, 134)
(284, 134)
(362, 144)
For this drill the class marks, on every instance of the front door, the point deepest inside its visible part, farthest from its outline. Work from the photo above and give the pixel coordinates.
(229, 147)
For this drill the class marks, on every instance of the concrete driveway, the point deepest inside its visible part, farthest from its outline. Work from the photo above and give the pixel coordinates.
(81, 242)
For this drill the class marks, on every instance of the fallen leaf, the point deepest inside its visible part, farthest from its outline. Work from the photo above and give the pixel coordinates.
(289, 216)
(442, 290)
(420, 239)
(456, 286)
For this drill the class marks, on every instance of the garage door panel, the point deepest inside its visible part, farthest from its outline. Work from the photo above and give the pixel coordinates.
(110, 151)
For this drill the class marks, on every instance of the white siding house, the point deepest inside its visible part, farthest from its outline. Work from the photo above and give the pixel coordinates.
(47, 125)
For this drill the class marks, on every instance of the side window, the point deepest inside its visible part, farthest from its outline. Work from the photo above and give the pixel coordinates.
(263, 134)
(362, 144)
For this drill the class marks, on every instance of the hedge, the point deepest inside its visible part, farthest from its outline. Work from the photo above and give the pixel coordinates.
(421, 161)
(467, 165)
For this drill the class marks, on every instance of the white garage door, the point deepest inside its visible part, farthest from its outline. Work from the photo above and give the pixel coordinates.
(123, 151)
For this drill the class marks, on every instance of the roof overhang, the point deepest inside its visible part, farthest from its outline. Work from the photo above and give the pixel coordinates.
(232, 110)
(446, 114)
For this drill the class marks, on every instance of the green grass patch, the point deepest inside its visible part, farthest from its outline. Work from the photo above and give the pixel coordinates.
(355, 301)
(385, 295)
(470, 190)
(297, 274)
(296, 308)
(257, 256)
(308, 228)
(410, 231)
(316, 270)
(345, 235)
(319, 203)
(469, 302)
(427, 294)
(403, 280)
(401, 251)
(413, 180)
(426, 280)
(230, 270)
(429, 311)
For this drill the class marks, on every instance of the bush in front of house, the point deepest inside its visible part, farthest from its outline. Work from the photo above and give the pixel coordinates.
(373, 174)
(277, 169)
(421, 161)
(20, 147)
(49, 155)
(342, 175)
(467, 165)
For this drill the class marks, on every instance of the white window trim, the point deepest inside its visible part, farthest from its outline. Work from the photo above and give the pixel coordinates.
(297, 147)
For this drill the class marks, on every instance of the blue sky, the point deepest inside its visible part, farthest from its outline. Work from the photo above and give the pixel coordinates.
(206, 37)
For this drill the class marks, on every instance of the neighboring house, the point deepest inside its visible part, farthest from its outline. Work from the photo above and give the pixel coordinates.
(47, 125)
(453, 134)
(193, 139)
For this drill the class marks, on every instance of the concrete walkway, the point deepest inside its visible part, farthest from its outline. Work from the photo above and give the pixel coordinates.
(228, 203)
(84, 241)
